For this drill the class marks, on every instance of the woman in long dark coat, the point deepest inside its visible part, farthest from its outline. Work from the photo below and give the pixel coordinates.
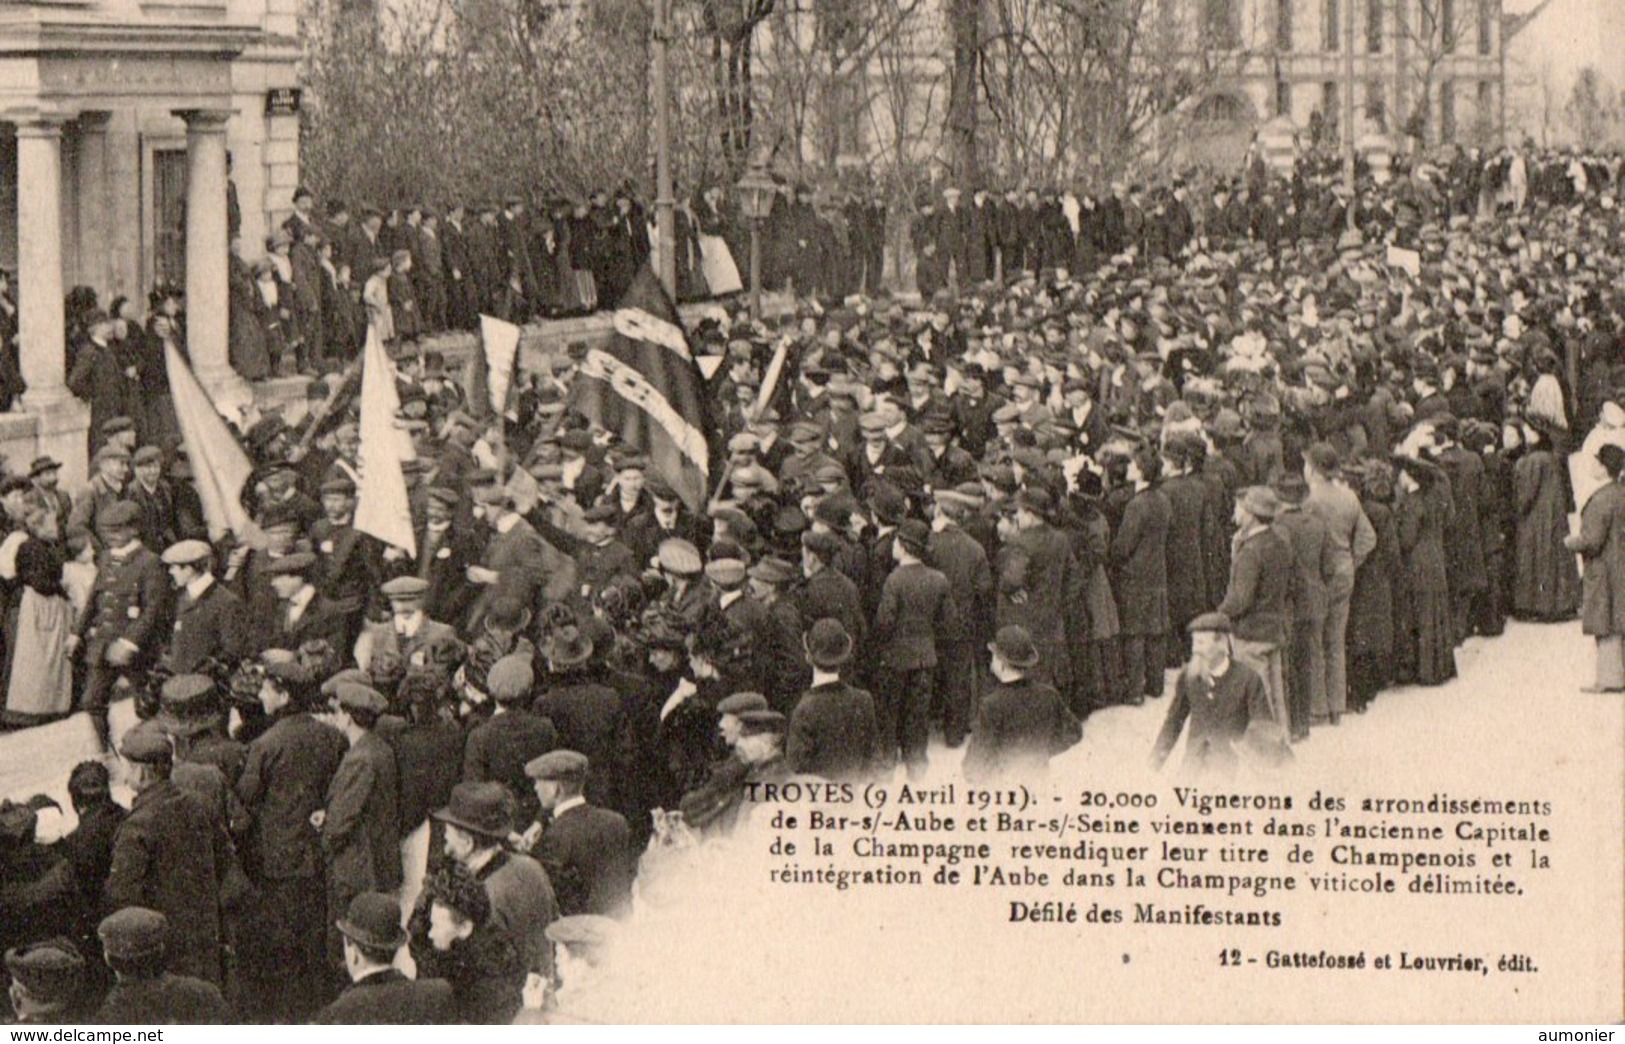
(1602, 541)
(1372, 608)
(1546, 583)
(1423, 509)
(1139, 557)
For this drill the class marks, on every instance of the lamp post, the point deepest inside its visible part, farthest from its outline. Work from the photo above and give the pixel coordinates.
(756, 191)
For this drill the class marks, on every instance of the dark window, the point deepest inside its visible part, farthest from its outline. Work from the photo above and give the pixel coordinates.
(1486, 26)
(1373, 26)
(1222, 26)
(169, 216)
(1486, 110)
(1447, 24)
(1447, 111)
(1332, 26)
(1283, 25)
(1376, 106)
(8, 196)
(1283, 98)
(1330, 110)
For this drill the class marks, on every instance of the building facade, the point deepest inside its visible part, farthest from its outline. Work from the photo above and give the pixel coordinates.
(120, 120)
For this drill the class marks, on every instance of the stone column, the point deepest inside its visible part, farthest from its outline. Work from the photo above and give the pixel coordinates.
(90, 191)
(62, 419)
(207, 254)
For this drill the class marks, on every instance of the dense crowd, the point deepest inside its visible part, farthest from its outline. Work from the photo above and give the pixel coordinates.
(1262, 476)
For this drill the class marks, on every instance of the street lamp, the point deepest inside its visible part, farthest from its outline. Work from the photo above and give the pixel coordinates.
(756, 192)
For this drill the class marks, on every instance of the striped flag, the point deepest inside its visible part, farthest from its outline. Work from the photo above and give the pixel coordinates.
(382, 508)
(644, 386)
(220, 468)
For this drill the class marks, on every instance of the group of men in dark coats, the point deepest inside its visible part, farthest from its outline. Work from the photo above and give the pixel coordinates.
(1282, 465)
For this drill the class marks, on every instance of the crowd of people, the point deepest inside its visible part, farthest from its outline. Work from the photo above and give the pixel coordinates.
(1272, 475)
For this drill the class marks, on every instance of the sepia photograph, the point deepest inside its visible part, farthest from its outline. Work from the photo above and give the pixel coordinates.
(812, 512)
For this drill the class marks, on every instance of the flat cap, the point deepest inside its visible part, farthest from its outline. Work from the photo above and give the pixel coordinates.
(187, 552)
(186, 693)
(339, 484)
(558, 765)
(740, 702)
(510, 678)
(758, 722)
(297, 564)
(678, 556)
(405, 589)
(726, 572)
(124, 513)
(1260, 502)
(116, 425)
(582, 931)
(445, 496)
(148, 455)
(355, 696)
(772, 570)
(134, 932)
(146, 745)
(48, 970)
(1217, 623)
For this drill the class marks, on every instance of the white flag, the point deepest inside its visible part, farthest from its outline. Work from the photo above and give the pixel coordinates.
(501, 340)
(220, 468)
(382, 508)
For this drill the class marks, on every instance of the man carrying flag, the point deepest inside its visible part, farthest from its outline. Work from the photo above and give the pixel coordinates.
(644, 386)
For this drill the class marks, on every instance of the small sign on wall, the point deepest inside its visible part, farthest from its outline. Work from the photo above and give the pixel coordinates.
(282, 101)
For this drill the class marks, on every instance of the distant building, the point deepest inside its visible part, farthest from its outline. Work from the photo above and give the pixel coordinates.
(118, 117)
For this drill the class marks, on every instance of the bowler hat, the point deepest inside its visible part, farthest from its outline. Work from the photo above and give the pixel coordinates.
(480, 808)
(915, 536)
(42, 465)
(1014, 645)
(827, 644)
(374, 921)
(568, 647)
(1290, 486)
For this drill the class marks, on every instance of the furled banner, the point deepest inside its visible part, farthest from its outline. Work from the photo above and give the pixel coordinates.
(382, 508)
(644, 386)
(220, 468)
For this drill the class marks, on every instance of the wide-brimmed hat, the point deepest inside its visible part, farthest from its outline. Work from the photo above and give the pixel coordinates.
(568, 647)
(480, 808)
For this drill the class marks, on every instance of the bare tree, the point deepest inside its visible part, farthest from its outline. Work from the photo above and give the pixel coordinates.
(1592, 108)
(1429, 32)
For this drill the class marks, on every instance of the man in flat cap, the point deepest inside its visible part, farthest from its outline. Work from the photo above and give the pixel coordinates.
(1021, 722)
(360, 825)
(1258, 599)
(351, 562)
(411, 633)
(110, 473)
(47, 982)
(211, 622)
(285, 975)
(138, 944)
(583, 848)
(302, 613)
(121, 624)
(447, 545)
(378, 994)
(169, 855)
(916, 613)
(1221, 698)
(151, 492)
(499, 748)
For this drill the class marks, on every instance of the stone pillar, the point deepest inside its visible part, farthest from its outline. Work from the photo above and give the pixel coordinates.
(90, 192)
(207, 255)
(62, 419)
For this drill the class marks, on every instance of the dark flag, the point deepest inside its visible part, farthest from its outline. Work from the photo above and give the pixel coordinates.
(644, 386)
